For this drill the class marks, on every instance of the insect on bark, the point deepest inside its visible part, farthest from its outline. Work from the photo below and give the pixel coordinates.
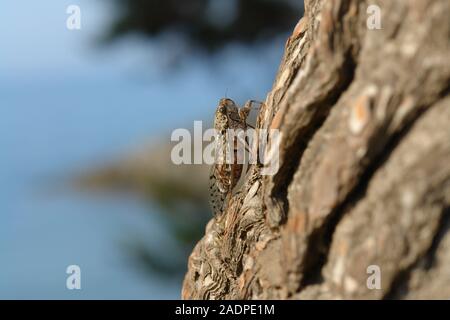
(227, 169)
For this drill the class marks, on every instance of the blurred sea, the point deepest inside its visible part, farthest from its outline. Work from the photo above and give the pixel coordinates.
(47, 133)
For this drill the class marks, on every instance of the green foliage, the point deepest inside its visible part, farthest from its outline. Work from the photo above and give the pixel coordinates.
(207, 24)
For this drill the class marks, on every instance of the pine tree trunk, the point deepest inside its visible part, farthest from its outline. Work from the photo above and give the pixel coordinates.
(364, 177)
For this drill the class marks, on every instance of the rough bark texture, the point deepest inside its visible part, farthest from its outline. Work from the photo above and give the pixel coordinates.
(364, 174)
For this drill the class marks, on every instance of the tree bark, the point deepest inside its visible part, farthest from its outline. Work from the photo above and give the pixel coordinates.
(364, 177)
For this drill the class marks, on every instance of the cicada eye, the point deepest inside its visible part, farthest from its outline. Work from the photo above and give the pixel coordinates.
(222, 109)
(229, 102)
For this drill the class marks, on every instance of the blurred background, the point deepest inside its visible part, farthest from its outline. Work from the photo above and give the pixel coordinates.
(86, 117)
